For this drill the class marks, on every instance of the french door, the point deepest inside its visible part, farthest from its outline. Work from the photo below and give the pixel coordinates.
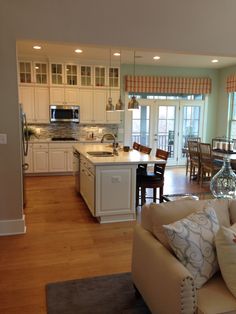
(169, 123)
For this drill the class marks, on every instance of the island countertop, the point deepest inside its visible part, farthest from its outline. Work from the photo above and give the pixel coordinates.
(131, 157)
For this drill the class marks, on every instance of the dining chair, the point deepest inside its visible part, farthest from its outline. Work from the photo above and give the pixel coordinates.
(136, 145)
(207, 165)
(185, 150)
(153, 180)
(194, 160)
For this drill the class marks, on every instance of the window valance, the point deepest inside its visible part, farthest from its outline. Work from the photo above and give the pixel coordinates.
(231, 84)
(167, 85)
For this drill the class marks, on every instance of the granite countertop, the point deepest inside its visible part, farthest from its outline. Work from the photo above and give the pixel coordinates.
(131, 157)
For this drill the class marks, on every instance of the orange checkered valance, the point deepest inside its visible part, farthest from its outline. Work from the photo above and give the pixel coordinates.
(231, 84)
(167, 85)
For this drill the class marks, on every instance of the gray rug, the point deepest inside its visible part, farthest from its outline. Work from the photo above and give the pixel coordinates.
(113, 294)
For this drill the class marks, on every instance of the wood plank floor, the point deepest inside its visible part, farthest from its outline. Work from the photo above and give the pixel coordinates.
(64, 242)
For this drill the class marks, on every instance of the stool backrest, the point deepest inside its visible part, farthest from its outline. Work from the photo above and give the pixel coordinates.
(136, 145)
(145, 149)
(160, 168)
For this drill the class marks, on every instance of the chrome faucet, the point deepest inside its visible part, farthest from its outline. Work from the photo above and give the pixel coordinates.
(115, 151)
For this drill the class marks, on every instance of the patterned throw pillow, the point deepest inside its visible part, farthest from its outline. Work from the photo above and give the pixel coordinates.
(192, 240)
(226, 252)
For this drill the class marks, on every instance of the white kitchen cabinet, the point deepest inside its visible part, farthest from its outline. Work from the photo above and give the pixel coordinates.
(99, 106)
(25, 72)
(87, 184)
(60, 157)
(61, 73)
(41, 73)
(40, 158)
(86, 105)
(35, 102)
(64, 95)
(26, 98)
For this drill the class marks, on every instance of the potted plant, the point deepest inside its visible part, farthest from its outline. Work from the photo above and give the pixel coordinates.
(29, 132)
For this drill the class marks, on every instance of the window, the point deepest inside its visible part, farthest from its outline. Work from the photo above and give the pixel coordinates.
(140, 125)
(232, 115)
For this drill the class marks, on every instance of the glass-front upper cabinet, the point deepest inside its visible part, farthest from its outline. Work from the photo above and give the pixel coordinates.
(71, 74)
(25, 72)
(57, 73)
(85, 75)
(41, 73)
(113, 77)
(100, 76)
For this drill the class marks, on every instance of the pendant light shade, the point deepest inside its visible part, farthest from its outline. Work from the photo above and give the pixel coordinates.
(120, 106)
(133, 103)
(109, 105)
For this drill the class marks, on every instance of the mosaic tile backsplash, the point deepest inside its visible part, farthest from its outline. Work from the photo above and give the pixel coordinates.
(45, 131)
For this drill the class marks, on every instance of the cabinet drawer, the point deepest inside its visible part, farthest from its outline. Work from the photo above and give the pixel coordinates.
(87, 164)
(60, 145)
(40, 146)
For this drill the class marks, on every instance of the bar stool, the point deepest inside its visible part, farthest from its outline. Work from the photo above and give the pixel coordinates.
(153, 180)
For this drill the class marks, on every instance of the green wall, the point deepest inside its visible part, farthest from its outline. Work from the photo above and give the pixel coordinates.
(212, 110)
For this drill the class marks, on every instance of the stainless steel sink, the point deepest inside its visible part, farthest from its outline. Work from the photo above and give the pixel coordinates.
(100, 154)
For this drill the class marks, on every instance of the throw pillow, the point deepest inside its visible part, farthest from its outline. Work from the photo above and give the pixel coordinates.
(192, 240)
(226, 252)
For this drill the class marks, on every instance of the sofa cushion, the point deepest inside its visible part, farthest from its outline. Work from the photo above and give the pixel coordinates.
(214, 297)
(154, 216)
(192, 240)
(226, 251)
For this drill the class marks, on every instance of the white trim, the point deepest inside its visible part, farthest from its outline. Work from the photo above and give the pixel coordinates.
(11, 227)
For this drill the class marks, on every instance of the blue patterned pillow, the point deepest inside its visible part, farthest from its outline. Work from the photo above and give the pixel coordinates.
(192, 240)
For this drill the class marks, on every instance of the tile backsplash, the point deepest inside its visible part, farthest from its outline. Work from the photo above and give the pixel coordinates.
(80, 132)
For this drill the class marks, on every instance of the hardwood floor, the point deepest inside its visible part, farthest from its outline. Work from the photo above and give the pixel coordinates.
(64, 242)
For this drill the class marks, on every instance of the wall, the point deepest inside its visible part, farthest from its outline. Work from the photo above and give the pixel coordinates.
(212, 108)
(193, 27)
(222, 117)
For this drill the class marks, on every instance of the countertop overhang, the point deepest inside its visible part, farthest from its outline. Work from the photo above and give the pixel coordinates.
(131, 157)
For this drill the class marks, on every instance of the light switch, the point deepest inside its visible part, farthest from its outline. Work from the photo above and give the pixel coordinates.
(3, 138)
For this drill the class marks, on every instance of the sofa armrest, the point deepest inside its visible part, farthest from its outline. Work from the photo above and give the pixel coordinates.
(165, 284)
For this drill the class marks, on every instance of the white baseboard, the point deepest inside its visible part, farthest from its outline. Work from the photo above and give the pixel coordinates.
(11, 227)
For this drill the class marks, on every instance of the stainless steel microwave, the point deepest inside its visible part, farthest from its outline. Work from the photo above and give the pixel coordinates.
(64, 113)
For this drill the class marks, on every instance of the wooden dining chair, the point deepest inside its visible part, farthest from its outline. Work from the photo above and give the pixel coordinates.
(185, 151)
(155, 179)
(136, 145)
(207, 165)
(194, 160)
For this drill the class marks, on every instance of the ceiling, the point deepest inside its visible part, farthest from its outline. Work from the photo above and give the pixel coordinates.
(98, 54)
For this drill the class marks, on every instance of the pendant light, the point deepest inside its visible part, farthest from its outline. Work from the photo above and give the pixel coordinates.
(109, 105)
(133, 103)
(120, 106)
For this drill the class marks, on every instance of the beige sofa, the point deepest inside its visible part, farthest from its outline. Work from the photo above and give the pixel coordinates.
(165, 284)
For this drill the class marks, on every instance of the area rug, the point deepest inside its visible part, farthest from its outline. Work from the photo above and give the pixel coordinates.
(113, 294)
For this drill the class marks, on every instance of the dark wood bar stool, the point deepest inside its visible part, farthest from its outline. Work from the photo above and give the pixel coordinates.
(153, 180)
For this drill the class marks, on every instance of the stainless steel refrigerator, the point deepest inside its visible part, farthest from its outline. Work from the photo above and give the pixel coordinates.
(24, 149)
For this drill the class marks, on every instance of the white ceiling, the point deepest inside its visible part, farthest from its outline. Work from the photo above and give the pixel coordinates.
(96, 54)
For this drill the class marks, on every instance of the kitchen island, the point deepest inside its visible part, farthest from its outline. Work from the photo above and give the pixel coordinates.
(108, 184)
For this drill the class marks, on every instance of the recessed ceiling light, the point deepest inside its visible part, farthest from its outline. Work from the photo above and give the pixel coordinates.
(36, 67)
(156, 58)
(37, 47)
(117, 54)
(214, 61)
(78, 50)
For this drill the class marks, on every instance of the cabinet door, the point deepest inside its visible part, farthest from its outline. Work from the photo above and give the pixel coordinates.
(57, 95)
(114, 117)
(40, 160)
(26, 97)
(86, 105)
(71, 96)
(90, 192)
(41, 104)
(69, 155)
(99, 106)
(57, 160)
